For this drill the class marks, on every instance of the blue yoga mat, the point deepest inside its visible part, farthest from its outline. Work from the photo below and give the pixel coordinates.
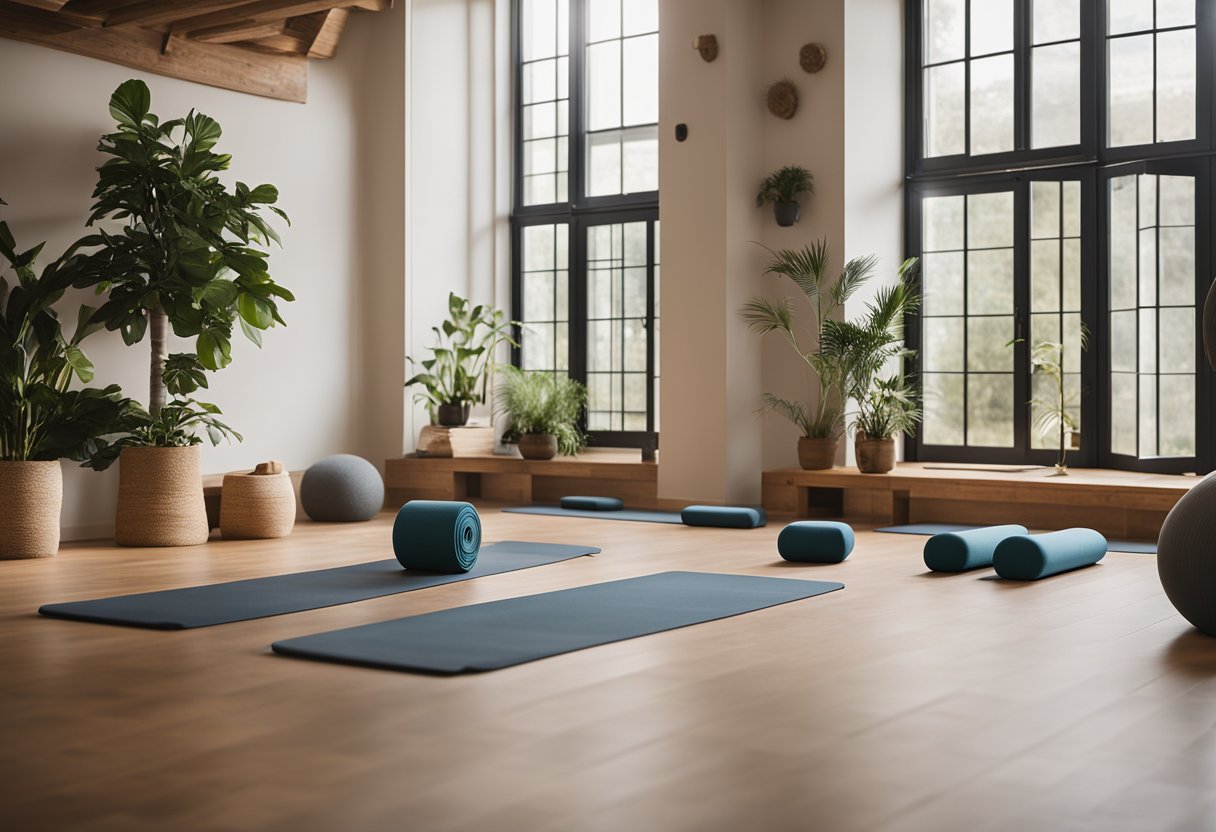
(636, 515)
(204, 606)
(504, 633)
(1134, 547)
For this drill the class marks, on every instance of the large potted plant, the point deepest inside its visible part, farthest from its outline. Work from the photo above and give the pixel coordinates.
(886, 406)
(189, 257)
(782, 188)
(827, 366)
(41, 419)
(543, 412)
(457, 374)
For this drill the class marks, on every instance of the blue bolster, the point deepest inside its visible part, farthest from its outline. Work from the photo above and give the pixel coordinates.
(1042, 555)
(971, 549)
(592, 503)
(729, 517)
(815, 541)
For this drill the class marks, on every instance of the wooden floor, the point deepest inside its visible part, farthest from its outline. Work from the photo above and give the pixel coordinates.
(904, 702)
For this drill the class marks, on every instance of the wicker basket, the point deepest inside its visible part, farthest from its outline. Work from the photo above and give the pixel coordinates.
(257, 506)
(32, 495)
(160, 498)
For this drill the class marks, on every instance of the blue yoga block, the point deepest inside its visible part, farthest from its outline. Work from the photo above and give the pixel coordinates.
(1031, 557)
(815, 541)
(592, 503)
(970, 549)
(728, 517)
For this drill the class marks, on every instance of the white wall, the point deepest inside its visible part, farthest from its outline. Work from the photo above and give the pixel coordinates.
(320, 385)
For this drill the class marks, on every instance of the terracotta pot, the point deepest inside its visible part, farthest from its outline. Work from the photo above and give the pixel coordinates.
(874, 456)
(453, 415)
(538, 446)
(160, 498)
(32, 495)
(817, 453)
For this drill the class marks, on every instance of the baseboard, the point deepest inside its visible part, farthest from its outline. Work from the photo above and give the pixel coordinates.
(96, 531)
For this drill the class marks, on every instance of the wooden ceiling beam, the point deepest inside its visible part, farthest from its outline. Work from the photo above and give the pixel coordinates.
(237, 32)
(219, 65)
(265, 11)
(161, 12)
(45, 5)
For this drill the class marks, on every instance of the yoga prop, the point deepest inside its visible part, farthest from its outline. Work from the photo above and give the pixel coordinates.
(636, 515)
(1134, 547)
(437, 536)
(342, 489)
(1185, 563)
(958, 551)
(257, 505)
(504, 633)
(204, 606)
(593, 503)
(815, 541)
(727, 517)
(1031, 557)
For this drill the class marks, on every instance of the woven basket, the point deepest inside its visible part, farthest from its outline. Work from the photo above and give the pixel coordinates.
(257, 506)
(160, 498)
(32, 495)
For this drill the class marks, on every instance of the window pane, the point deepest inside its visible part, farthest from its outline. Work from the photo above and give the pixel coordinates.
(1176, 86)
(942, 283)
(1172, 13)
(1056, 98)
(990, 220)
(990, 282)
(991, 26)
(943, 222)
(1178, 429)
(1045, 276)
(603, 20)
(942, 350)
(1129, 16)
(1130, 91)
(540, 28)
(945, 111)
(990, 410)
(641, 69)
(1044, 210)
(943, 395)
(544, 261)
(1056, 20)
(945, 22)
(604, 85)
(1122, 237)
(992, 96)
(639, 16)
(987, 344)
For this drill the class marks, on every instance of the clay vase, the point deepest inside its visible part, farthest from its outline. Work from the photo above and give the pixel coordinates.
(817, 453)
(874, 456)
(538, 446)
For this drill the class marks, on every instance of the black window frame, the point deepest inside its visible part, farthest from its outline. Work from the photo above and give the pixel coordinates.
(1094, 164)
(578, 213)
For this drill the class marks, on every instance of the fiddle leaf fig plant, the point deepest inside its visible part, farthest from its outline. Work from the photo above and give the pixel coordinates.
(189, 254)
(41, 417)
(462, 359)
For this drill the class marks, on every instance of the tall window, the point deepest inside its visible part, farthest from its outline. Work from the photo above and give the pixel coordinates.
(586, 232)
(1060, 155)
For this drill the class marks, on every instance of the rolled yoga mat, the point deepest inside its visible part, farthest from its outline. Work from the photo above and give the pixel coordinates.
(726, 517)
(635, 515)
(1135, 547)
(1031, 557)
(592, 503)
(815, 541)
(958, 551)
(504, 633)
(204, 606)
(437, 536)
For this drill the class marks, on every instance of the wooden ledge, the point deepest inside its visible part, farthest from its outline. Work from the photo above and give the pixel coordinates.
(1115, 502)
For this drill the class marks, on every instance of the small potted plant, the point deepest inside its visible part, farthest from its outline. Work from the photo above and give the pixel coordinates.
(457, 374)
(827, 359)
(188, 257)
(888, 410)
(782, 188)
(1057, 417)
(41, 419)
(543, 412)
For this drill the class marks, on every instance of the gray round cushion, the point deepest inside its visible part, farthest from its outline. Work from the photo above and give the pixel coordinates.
(342, 489)
(1185, 560)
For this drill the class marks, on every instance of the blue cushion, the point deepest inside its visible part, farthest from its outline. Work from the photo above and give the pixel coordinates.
(592, 503)
(963, 550)
(729, 517)
(1030, 557)
(815, 541)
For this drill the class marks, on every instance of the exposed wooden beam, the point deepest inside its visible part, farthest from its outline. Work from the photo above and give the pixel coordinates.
(45, 5)
(284, 77)
(159, 12)
(237, 32)
(318, 33)
(265, 11)
(98, 7)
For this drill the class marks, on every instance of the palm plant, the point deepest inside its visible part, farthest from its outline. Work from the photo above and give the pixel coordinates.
(1057, 417)
(890, 408)
(827, 360)
(462, 360)
(785, 185)
(189, 255)
(541, 403)
(40, 417)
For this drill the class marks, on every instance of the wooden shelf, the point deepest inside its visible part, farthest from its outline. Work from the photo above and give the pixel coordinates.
(1113, 502)
(602, 473)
